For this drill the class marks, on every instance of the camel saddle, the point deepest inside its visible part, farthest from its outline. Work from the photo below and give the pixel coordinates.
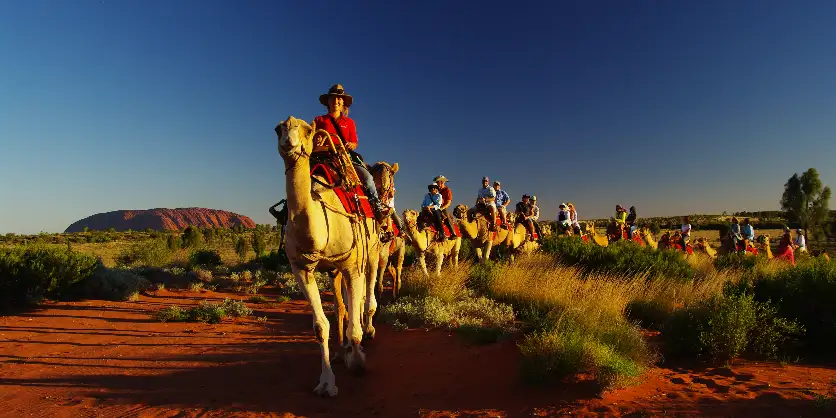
(426, 221)
(354, 200)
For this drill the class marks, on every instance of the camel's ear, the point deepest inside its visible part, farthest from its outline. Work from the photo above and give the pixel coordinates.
(395, 168)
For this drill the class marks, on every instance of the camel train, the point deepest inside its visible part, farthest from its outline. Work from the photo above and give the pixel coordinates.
(339, 219)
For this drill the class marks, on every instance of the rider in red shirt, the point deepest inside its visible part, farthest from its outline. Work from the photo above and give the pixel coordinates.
(337, 102)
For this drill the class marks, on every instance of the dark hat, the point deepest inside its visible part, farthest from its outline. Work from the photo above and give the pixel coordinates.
(338, 91)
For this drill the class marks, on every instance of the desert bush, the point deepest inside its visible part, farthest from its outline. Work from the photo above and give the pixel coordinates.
(172, 242)
(259, 244)
(275, 260)
(241, 248)
(207, 312)
(205, 257)
(192, 237)
(153, 253)
(476, 318)
(805, 293)
(726, 327)
(30, 273)
(578, 321)
(114, 284)
(620, 258)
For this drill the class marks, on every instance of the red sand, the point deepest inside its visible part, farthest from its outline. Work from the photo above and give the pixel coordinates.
(109, 359)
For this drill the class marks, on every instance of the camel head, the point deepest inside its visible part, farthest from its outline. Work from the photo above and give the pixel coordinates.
(589, 228)
(511, 218)
(384, 178)
(460, 211)
(295, 139)
(763, 239)
(410, 218)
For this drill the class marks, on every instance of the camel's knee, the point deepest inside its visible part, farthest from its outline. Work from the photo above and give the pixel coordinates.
(321, 330)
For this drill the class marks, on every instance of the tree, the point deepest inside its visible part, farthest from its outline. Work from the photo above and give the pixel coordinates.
(805, 201)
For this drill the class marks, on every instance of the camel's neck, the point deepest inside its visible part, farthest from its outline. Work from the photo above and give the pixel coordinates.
(298, 186)
(419, 239)
(471, 229)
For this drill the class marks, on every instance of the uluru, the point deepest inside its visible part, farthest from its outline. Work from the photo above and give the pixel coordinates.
(161, 219)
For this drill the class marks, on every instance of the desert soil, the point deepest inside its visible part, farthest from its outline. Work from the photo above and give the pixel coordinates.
(97, 358)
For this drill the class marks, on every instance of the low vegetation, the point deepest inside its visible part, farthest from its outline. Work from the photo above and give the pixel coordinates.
(207, 312)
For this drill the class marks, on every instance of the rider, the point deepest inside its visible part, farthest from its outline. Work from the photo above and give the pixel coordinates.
(432, 204)
(535, 216)
(390, 202)
(446, 201)
(485, 204)
(564, 220)
(502, 201)
(686, 233)
(524, 215)
(631, 222)
(337, 102)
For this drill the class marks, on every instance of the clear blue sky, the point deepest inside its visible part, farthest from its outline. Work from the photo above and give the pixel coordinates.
(672, 106)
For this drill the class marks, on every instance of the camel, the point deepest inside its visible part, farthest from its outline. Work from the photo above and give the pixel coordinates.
(516, 243)
(648, 238)
(397, 249)
(383, 175)
(545, 229)
(763, 246)
(591, 234)
(477, 232)
(424, 242)
(321, 236)
(702, 246)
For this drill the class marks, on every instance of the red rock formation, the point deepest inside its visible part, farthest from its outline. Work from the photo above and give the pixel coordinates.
(161, 219)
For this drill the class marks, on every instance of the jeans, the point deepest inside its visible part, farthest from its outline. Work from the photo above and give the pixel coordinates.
(368, 181)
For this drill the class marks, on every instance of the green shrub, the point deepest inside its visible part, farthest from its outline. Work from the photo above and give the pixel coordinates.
(30, 273)
(204, 257)
(241, 248)
(805, 293)
(480, 319)
(206, 312)
(192, 237)
(153, 253)
(115, 284)
(172, 242)
(259, 244)
(726, 327)
(275, 260)
(620, 258)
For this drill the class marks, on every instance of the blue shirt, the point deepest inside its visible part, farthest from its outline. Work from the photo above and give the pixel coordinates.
(433, 200)
(748, 232)
(502, 198)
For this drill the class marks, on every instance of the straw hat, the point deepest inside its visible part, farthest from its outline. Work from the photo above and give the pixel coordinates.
(338, 91)
(440, 178)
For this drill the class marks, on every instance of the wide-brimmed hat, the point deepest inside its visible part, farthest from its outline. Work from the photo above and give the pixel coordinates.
(562, 205)
(338, 91)
(533, 197)
(486, 178)
(432, 186)
(440, 178)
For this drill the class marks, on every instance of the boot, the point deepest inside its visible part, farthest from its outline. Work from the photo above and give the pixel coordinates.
(449, 223)
(381, 211)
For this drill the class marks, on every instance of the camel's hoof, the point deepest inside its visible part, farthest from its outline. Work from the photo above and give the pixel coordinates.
(369, 335)
(356, 362)
(324, 389)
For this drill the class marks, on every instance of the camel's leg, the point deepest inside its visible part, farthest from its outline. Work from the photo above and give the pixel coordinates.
(307, 282)
(423, 263)
(355, 359)
(337, 283)
(396, 277)
(439, 259)
(456, 247)
(383, 261)
(478, 251)
(371, 300)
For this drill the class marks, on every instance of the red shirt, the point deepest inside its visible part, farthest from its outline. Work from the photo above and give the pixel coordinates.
(347, 127)
(447, 196)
